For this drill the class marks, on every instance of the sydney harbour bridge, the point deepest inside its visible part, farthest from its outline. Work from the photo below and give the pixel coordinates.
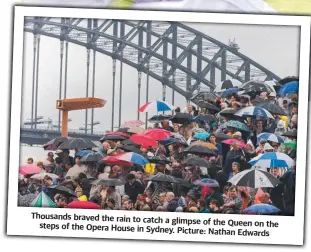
(176, 55)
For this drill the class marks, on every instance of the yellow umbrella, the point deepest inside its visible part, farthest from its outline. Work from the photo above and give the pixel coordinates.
(205, 144)
(291, 6)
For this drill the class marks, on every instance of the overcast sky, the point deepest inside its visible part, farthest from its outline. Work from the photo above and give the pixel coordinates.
(274, 47)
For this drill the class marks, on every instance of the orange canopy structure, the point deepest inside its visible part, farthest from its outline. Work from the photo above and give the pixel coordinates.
(66, 105)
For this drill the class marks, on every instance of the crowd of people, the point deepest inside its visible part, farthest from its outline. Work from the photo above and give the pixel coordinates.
(186, 162)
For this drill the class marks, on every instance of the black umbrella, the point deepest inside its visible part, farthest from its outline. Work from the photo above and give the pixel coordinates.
(108, 182)
(159, 160)
(184, 183)
(228, 84)
(272, 108)
(130, 148)
(63, 190)
(199, 150)
(76, 143)
(92, 157)
(222, 136)
(256, 86)
(208, 106)
(229, 113)
(55, 143)
(129, 142)
(288, 79)
(159, 118)
(181, 118)
(160, 177)
(112, 138)
(196, 161)
(124, 130)
(206, 117)
(291, 134)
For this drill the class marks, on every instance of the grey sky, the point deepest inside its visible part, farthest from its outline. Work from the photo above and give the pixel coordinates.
(274, 47)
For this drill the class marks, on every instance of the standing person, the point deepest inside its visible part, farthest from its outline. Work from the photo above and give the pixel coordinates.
(236, 154)
(235, 169)
(59, 170)
(289, 182)
(133, 188)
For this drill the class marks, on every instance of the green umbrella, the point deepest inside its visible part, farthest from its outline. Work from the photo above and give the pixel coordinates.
(42, 200)
(292, 145)
(238, 125)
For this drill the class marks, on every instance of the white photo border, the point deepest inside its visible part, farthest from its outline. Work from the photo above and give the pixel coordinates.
(291, 229)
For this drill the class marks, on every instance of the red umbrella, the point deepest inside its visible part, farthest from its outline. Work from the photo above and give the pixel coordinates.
(158, 134)
(238, 142)
(27, 169)
(83, 205)
(144, 140)
(134, 123)
(117, 133)
(113, 160)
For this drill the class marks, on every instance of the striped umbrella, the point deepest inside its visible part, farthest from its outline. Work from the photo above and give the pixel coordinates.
(159, 106)
(133, 157)
(269, 137)
(254, 111)
(42, 200)
(272, 160)
(254, 178)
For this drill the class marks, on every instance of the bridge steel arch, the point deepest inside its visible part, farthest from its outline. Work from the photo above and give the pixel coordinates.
(178, 56)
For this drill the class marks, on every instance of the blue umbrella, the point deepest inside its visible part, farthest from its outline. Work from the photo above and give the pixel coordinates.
(230, 91)
(262, 209)
(289, 88)
(83, 153)
(202, 136)
(272, 160)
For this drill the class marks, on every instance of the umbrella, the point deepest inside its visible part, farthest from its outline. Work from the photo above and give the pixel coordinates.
(254, 178)
(42, 200)
(289, 88)
(112, 138)
(108, 182)
(184, 183)
(159, 106)
(128, 142)
(181, 118)
(288, 79)
(291, 134)
(82, 153)
(202, 136)
(262, 209)
(199, 150)
(136, 130)
(222, 136)
(143, 140)
(75, 171)
(232, 83)
(28, 169)
(238, 125)
(235, 141)
(159, 160)
(269, 137)
(273, 84)
(257, 86)
(196, 161)
(157, 134)
(133, 123)
(208, 106)
(272, 108)
(83, 205)
(41, 175)
(124, 130)
(117, 133)
(205, 144)
(160, 177)
(229, 113)
(62, 190)
(291, 145)
(198, 130)
(172, 140)
(230, 91)
(92, 157)
(130, 148)
(113, 160)
(55, 143)
(133, 157)
(159, 118)
(206, 182)
(76, 143)
(254, 111)
(272, 160)
(205, 118)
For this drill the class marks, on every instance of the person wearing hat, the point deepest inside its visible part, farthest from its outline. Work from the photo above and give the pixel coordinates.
(280, 129)
(271, 97)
